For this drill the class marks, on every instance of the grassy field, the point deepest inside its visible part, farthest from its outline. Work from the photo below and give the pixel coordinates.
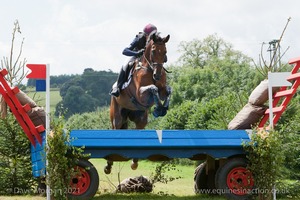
(178, 189)
(122, 170)
(181, 189)
(40, 97)
(125, 197)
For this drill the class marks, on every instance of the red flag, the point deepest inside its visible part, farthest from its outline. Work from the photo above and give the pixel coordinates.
(38, 71)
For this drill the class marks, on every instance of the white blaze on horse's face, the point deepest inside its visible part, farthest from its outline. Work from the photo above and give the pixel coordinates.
(158, 53)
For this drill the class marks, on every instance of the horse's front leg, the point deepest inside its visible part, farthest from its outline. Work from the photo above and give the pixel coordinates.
(160, 109)
(167, 101)
(146, 92)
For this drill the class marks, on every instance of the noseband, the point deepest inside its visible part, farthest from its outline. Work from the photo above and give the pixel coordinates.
(153, 65)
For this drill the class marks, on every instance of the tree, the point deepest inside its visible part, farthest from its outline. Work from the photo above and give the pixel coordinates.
(15, 66)
(55, 81)
(76, 101)
(209, 96)
(178, 116)
(216, 113)
(97, 84)
(92, 88)
(289, 127)
(211, 67)
(76, 81)
(90, 120)
(208, 83)
(15, 163)
(199, 53)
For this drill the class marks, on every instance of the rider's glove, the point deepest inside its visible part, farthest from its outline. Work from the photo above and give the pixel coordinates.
(140, 52)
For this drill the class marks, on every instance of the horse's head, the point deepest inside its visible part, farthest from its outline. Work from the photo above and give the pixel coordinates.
(155, 54)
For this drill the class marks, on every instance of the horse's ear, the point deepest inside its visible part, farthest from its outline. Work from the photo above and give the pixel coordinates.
(166, 39)
(153, 37)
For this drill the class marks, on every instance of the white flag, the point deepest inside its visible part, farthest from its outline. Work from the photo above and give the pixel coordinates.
(159, 135)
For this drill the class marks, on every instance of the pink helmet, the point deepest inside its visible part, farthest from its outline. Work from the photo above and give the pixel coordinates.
(149, 29)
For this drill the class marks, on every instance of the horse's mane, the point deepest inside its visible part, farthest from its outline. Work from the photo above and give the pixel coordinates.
(155, 36)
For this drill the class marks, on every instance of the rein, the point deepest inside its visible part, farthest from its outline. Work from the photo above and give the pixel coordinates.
(150, 65)
(155, 64)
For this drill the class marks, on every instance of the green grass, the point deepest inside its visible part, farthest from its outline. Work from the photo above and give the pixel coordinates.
(22, 198)
(155, 197)
(108, 183)
(181, 189)
(40, 97)
(125, 197)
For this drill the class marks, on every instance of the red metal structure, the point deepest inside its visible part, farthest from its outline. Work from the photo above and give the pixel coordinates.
(282, 98)
(19, 110)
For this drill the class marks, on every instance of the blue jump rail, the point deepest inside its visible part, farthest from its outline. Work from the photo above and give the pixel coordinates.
(121, 145)
(38, 157)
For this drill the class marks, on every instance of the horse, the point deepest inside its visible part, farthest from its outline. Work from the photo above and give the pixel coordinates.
(147, 87)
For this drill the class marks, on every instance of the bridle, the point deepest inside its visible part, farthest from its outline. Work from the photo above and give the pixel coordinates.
(153, 65)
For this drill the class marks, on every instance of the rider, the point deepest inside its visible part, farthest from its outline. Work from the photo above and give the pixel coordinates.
(135, 50)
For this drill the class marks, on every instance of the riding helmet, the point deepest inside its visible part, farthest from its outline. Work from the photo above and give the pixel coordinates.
(149, 28)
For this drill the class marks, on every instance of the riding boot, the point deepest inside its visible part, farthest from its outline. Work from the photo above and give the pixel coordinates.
(121, 80)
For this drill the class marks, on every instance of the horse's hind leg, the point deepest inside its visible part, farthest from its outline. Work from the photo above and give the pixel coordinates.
(140, 118)
(107, 168)
(124, 126)
(112, 111)
(116, 118)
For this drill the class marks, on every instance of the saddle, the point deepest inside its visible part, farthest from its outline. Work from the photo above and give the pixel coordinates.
(130, 70)
(127, 76)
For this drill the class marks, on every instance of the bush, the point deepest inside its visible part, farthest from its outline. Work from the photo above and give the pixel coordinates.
(265, 155)
(177, 117)
(61, 160)
(215, 113)
(289, 128)
(289, 189)
(92, 120)
(15, 163)
(161, 172)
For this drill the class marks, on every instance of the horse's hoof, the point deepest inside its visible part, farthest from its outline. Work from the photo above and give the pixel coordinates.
(160, 112)
(134, 164)
(107, 169)
(164, 111)
(155, 114)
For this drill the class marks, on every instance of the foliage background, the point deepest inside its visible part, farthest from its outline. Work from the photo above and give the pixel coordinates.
(211, 82)
(15, 161)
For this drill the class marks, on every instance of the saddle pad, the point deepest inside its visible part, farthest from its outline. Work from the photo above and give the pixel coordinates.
(125, 85)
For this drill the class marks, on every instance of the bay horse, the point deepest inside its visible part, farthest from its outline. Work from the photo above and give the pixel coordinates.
(148, 87)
